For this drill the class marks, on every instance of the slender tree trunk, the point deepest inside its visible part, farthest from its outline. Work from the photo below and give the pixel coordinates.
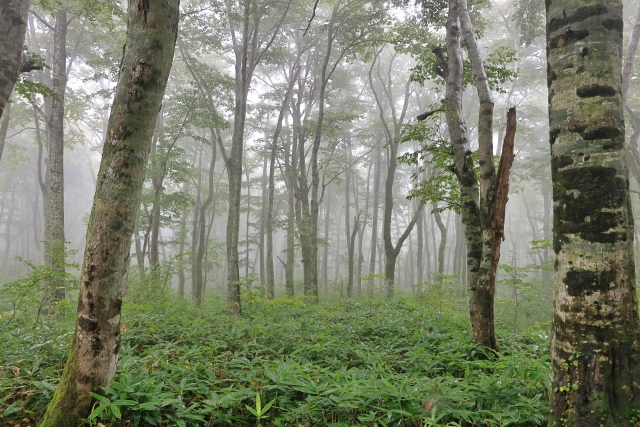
(148, 54)
(374, 221)
(263, 227)
(202, 228)
(291, 216)
(325, 250)
(234, 163)
(336, 261)
(351, 247)
(361, 234)
(272, 182)
(157, 181)
(419, 254)
(443, 239)
(595, 348)
(55, 169)
(182, 238)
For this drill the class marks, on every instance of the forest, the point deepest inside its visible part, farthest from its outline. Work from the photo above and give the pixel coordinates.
(319, 213)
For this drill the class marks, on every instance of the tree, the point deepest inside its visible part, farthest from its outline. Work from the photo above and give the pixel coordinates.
(595, 347)
(249, 47)
(148, 54)
(392, 129)
(483, 200)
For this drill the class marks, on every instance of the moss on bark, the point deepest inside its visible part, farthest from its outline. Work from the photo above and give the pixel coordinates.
(152, 31)
(595, 348)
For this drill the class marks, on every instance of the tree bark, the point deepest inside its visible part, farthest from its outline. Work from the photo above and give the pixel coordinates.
(13, 26)
(55, 164)
(350, 254)
(272, 182)
(148, 54)
(443, 239)
(247, 56)
(4, 127)
(199, 287)
(374, 221)
(595, 348)
(290, 170)
(325, 250)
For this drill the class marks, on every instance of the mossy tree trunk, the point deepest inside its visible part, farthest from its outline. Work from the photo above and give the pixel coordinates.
(595, 351)
(151, 36)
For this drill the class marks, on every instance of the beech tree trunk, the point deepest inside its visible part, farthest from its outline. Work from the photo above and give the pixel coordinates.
(350, 254)
(54, 236)
(374, 221)
(271, 186)
(151, 35)
(199, 283)
(482, 210)
(595, 347)
(13, 26)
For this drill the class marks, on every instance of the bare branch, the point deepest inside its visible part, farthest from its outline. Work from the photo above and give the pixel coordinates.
(313, 15)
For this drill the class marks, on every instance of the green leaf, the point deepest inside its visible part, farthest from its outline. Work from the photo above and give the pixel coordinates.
(115, 410)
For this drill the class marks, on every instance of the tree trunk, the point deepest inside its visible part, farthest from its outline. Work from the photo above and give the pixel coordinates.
(351, 248)
(55, 169)
(595, 349)
(157, 181)
(361, 234)
(272, 182)
(4, 127)
(13, 26)
(198, 293)
(325, 250)
(234, 163)
(291, 216)
(182, 237)
(148, 54)
(443, 239)
(263, 228)
(374, 221)
(419, 254)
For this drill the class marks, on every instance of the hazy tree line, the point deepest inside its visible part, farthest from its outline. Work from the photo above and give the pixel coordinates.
(342, 148)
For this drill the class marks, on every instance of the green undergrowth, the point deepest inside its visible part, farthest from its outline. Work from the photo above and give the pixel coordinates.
(366, 362)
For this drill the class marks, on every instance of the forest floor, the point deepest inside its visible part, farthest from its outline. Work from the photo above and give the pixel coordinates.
(369, 362)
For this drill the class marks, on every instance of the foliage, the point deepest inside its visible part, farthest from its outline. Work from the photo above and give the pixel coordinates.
(369, 362)
(497, 66)
(25, 298)
(517, 280)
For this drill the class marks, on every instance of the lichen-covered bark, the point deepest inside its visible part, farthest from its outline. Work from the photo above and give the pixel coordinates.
(594, 346)
(151, 35)
(13, 25)
(55, 243)
(482, 213)
(480, 303)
